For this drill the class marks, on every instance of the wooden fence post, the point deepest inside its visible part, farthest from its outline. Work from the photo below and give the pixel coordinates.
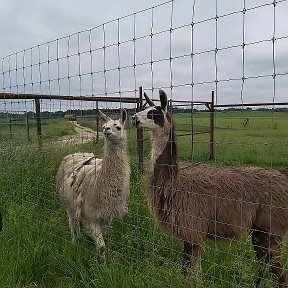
(38, 122)
(192, 131)
(140, 140)
(27, 126)
(212, 128)
(10, 125)
(97, 122)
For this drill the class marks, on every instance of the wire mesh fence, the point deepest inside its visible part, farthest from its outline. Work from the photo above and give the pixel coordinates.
(138, 198)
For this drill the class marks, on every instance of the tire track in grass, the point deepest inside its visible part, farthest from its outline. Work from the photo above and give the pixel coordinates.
(83, 135)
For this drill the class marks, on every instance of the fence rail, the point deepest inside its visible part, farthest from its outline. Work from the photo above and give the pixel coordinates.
(139, 105)
(6, 95)
(138, 101)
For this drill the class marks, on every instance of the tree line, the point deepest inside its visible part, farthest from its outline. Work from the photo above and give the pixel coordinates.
(93, 112)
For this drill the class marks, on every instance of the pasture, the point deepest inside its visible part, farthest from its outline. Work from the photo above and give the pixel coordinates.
(35, 245)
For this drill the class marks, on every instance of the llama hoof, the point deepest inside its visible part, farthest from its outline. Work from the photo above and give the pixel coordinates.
(74, 239)
(186, 271)
(102, 252)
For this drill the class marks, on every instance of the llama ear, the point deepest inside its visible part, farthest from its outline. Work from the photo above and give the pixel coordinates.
(103, 116)
(123, 117)
(148, 100)
(163, 99)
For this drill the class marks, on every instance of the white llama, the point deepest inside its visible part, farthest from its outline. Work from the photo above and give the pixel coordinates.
(93, 190)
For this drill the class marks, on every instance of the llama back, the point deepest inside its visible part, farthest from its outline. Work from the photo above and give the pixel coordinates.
(69, 169)
(250, 197)
(70, 163)
(204, 192)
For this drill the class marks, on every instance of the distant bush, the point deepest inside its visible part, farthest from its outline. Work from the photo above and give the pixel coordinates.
(245, 123)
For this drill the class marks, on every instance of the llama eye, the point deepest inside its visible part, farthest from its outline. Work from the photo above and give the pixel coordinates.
(156, 115)
(118, 128)
(115, 124)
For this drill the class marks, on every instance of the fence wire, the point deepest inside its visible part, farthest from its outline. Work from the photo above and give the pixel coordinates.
(50, 97)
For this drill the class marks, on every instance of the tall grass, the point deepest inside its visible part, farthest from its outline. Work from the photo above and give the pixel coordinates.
(35, 245)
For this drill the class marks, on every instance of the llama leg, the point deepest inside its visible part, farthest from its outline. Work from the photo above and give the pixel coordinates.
(191, 256)
(276, 264)
(72, 226)
(268, 249)
(98, 237)
(78, 206)
(259, 241)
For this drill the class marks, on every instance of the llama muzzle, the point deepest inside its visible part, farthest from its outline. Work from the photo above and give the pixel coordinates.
(135, 121)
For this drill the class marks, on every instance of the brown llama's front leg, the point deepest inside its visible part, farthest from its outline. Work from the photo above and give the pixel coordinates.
(260, 244)
(276, 263)
(191, 256)
(268, 250)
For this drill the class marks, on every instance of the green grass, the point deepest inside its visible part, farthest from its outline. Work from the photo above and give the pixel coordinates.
(263, 142)
(17, 132)
(35, 246)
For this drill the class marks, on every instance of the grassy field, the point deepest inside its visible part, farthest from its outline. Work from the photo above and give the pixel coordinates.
(261, 142)
(17, 134)
(35, 246)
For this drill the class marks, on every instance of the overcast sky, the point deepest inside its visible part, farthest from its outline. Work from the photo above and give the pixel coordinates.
(26, 24)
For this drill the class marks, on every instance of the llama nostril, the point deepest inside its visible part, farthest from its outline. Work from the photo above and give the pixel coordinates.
(107, 131)
(135, 121)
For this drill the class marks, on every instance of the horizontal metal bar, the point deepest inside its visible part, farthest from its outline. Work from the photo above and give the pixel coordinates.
(194, 133)
(251, 104)
(187, 101)
(5, 95)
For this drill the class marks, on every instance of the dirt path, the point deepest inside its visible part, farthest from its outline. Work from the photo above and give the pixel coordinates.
(83, 135)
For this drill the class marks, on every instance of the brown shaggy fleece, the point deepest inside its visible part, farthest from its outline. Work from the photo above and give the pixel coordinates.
(220, 202)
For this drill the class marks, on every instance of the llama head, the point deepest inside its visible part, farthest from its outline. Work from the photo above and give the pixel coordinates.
(113, 130)
(153, 117)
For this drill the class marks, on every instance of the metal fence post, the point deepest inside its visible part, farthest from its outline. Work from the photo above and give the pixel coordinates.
(140, 140)
(212, 128)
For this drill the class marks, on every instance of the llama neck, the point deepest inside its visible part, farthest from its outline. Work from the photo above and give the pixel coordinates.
(164, 155)
(115, 154)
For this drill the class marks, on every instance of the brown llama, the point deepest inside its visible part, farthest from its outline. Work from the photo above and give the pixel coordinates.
(197, 201)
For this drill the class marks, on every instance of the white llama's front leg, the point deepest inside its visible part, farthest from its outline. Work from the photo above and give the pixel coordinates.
(78, 205)
(96, 232)
(72, 225)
